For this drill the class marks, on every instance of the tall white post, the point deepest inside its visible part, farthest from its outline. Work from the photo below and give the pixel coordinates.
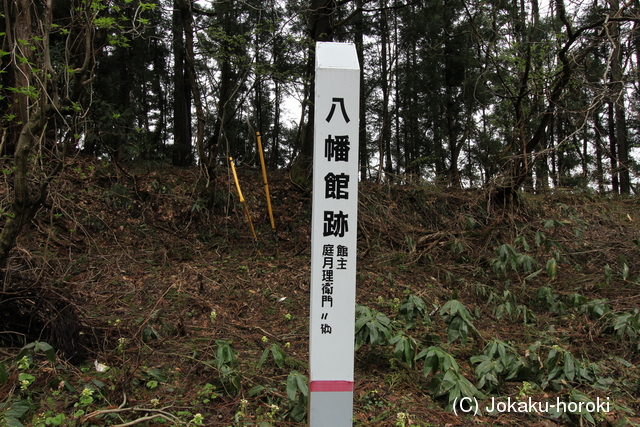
(334, 235)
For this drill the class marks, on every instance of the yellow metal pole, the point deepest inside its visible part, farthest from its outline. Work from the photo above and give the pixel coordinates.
(244, 203)
(268, 194)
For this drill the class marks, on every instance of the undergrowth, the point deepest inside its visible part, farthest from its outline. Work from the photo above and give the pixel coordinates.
(462, 306)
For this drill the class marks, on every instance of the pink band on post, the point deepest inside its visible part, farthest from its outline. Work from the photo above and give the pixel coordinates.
(316, 386)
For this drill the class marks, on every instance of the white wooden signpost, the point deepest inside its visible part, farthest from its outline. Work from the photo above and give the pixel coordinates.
(333, 239)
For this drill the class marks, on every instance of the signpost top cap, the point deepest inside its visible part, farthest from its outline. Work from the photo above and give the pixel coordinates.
(337, 55)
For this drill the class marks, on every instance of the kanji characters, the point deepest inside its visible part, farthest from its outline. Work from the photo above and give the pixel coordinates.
(336, 186)
(337, 148)
(342, 108)
(335, 223)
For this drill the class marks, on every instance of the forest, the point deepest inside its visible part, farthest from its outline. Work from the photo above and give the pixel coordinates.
(514, 95)
(498, 229)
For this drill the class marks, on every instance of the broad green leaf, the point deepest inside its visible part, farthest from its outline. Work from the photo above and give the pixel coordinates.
(16, 410)
(569, 367)
(263, 358)
(278, 355)
(155, 373)
(296, 382)
(256, 390)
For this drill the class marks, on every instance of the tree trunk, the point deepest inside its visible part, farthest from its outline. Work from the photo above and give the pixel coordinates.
(618, 89)
(599, 133)
(26, 201)
(362, 131)
(181, 154)
(613, 150)
(275, 137)
(385, 132)
(321, 29)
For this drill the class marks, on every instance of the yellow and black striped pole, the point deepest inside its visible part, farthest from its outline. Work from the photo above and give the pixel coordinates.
(244, 203)
(268, 194)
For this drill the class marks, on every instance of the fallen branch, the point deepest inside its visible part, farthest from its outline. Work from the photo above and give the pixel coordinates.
(156, 413)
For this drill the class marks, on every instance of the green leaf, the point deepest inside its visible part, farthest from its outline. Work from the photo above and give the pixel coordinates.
(412, 307)
(299, 411)
(278, 355)
(625, 272)
(157, 374)
(292, 386)
(569, 367)
(47, 350)
(436, 359)
(552, 268)
(263, 358)
(405, 348)
(371, 327)
(296, 382)
(578, 396)
(58, 420)
(256, 390)
(16, 410)
(225, 354)
(100, 384)
(302, 384)
(607, 274)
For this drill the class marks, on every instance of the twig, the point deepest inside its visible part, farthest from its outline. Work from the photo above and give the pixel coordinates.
(147, 418)
(157, 413)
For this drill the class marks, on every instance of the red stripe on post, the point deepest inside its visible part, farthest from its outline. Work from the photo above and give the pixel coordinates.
(316, 386)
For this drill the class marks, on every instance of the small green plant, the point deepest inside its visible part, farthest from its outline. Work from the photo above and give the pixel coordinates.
(372, 327)
(411, 309)
(499, 362)
(25, 380)
(508, 305)
(627, 325)
(447, 380)
(542, 240)
(563, 368)
(458, 320)
(278, 354)
(197, 420)
(207, 393)
(241, 413)
(551, 299)
(120, 347)
(405, 348)
(12, 411)
(525, 390)
(578, 405)
(38, 347)
(596, 309)
(402, 418)
(509, 257)
(225, 362)
(298, 395)
(55, 420)
(86, 397)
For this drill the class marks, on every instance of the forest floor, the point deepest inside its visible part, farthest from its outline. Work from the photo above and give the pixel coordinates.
(139, 298)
